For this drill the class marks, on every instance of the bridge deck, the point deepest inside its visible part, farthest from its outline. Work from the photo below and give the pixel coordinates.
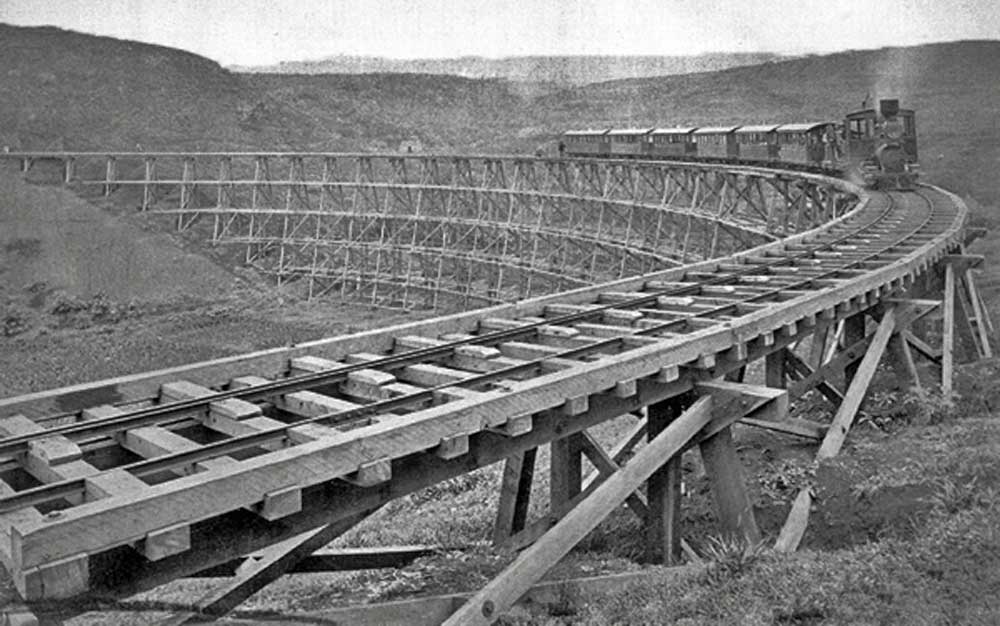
(168, 473)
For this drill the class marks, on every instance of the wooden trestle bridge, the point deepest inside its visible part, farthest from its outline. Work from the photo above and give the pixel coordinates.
(615, 287)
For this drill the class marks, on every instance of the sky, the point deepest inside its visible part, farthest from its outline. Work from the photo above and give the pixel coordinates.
(265, 32)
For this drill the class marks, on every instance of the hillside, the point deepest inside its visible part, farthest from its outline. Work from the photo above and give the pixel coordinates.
(75, 91)
(952, 86)
(66, 90)
(564, 71)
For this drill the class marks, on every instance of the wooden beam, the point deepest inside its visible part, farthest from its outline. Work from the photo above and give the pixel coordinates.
(966, 327)
(515, 495)
(902, 360)
(500, 594)
(663, 491)
(817, 346)
(433, 610)
(798, 518)
(962, 262)
(336, 560)
(804, 371)
(736, 401)
(842, 421)
(831, 368)
(979, 314)
(854, 331)
(725, 473)
(606, 466)
(275, 562)
(565, 472)
(973, 233)
(922, 347)
(798, 427)
(948, 332)
(774, 369)
(795, 525)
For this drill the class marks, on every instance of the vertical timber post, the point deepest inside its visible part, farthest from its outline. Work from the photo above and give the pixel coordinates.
(948, 332)
(663, 491)
(722, 465)
(149, 174)
(854, 331)
(110, 174)
(565, 473)
(817, 346)
(515, 495)
(774, 369)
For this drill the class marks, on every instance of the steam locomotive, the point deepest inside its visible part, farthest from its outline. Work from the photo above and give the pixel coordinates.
(879, 146)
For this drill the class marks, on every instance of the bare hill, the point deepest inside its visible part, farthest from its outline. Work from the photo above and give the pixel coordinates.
(952, 86)
(564, 71)
(77, 91)
(67, 90)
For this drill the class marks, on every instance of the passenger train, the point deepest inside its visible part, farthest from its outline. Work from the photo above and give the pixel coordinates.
(878, 145)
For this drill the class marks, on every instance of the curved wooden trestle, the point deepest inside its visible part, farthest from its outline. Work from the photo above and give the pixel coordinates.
(120, 485)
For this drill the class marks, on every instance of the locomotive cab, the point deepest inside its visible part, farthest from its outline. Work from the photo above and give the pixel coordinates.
(882, 144)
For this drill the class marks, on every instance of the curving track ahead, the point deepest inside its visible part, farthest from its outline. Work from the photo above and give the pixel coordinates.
(165, 474)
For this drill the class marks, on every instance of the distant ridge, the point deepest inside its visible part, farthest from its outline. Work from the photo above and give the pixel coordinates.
(67, 90)
(564, 71)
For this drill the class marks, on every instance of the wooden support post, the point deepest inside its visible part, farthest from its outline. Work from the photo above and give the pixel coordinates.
(817, 347)
(842, 421)
(774, 369)
(948, 332)
(500, 594)
(902, 360)
(110, 175)
(854, 331)
(967, 327)
(980, 315)
(798, 518)
(722, 465)
(149, 174)
(737, 375)
(565, 473)
(663, 493)
(515, 495)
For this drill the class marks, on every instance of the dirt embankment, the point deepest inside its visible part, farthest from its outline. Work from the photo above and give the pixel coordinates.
(86, 294)
(51, 240)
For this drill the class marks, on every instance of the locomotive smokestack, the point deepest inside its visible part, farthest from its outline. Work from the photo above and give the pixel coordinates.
(888, 108)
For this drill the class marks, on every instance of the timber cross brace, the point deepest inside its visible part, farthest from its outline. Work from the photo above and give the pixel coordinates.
(850, 350)
(672, 427)
(445, 231)
(302, 442)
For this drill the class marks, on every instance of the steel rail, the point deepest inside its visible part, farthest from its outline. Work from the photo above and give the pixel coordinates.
(82, 431)
(47, 493)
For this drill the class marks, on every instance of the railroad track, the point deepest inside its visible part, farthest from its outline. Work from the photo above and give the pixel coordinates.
(148, 472)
